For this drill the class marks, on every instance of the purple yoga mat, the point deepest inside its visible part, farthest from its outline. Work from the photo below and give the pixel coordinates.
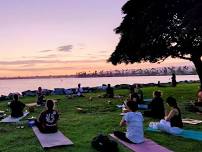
(51, 140)
(147, 146)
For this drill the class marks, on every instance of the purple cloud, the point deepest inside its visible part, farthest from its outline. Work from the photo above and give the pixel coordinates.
(47, 56)
(65, 48)
(44, 51)
(32, 62)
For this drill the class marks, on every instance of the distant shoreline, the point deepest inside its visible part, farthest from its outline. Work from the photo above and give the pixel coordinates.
(19, 85)
(65, 76)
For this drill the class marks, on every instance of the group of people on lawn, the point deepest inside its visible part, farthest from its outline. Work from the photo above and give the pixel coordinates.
(47, 121)
(170, 121)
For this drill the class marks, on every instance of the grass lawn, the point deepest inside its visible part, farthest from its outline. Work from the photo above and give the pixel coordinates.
(101, 117)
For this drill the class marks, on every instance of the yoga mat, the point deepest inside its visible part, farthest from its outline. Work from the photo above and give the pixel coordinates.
(147, 146)
(34, 104)
(10, 119)
(140, 106)
(147, 100)
(119, 106)
(52, 139)
(122, 114)
(190, 134)
(191, 121)
(143, 106)
(31, 104)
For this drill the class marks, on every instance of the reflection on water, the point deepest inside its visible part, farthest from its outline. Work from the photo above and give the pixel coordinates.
(19, 85)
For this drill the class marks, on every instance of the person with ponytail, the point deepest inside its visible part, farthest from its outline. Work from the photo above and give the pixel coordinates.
(172, 123)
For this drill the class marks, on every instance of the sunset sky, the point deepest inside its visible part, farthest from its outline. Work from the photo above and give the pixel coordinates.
(59, 37)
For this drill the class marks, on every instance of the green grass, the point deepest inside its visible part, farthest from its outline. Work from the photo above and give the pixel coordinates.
(100, 117)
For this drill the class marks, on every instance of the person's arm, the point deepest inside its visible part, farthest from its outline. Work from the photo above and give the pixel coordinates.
(167, 109)
(112, 91)
(40, 119)
(23, 105)
(166, 112)
(11, 105)
(170, 115)
(124, 120)
(122, 123)
(57, 116)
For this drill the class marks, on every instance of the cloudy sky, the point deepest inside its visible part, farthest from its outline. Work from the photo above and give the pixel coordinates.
(54, 37)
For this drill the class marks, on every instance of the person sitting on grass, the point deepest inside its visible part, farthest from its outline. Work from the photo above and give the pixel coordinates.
(133, 120)
(172, 123)
(132, 97)
(16, 107)
(47, 121)
(197, 105)
(40, 97)
(139, 92)
(157, 107)
(79, 91)
(109, 92)
(199, 99)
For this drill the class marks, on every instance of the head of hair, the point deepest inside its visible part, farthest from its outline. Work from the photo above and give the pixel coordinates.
(198, 92)
(15, 97)
(79, 85)
(50, 104)
(138, 86)
(171, 102)
(136, 96)
(39, 88)
(132, 89)
(133, 106)
(109, 85)
(199, 96)
(157, 93)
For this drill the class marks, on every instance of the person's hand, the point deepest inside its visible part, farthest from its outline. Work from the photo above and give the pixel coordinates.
(192, 102)
(199, 113)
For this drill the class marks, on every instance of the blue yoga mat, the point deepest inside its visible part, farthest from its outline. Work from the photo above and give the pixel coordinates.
(191, 134)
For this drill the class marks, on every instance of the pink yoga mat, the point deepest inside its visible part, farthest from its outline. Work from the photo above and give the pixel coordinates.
(147, 146)
(51, 140)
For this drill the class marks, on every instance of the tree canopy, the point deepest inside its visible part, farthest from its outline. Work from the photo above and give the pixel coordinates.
(153, 30)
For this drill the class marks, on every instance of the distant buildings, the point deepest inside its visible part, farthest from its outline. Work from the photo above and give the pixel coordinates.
(181, 70)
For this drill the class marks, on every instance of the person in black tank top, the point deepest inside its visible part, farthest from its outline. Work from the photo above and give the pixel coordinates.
(172, 123)
(174, 115)
(176, 121)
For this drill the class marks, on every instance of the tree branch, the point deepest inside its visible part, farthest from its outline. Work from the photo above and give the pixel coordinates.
(183, 57)
(162, 60)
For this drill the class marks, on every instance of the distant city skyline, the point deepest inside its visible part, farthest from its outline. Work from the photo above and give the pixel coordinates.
(62, 37)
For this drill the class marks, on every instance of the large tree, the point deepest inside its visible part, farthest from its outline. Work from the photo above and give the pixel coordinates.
(153, 30)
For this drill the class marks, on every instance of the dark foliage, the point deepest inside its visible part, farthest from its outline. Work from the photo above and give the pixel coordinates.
(153, 30)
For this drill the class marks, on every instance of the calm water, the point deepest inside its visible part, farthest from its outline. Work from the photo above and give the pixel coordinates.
(19, 85)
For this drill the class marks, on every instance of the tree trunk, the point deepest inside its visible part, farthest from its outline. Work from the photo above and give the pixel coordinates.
(198, 65)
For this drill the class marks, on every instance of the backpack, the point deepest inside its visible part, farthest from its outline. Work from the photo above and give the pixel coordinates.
(103, 144)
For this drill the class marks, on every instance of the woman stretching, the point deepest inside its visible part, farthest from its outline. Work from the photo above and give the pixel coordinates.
(134, 122)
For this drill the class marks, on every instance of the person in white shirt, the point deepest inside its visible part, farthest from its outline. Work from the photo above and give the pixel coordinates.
(133, 120)
(79, 91)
